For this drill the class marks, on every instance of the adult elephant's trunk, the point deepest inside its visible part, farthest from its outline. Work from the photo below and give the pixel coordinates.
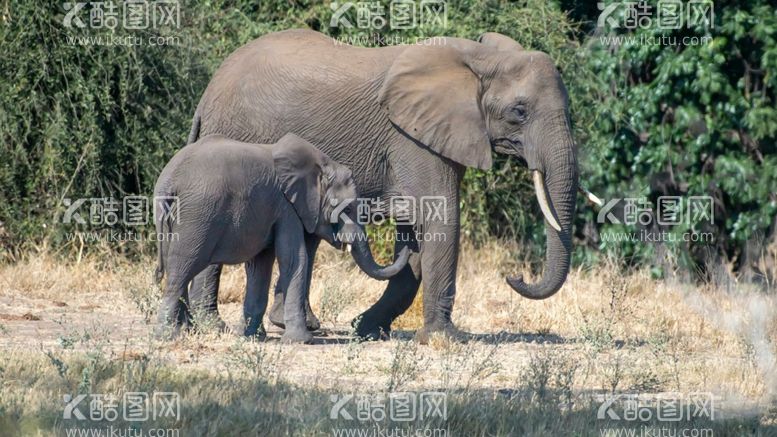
(363, 256)
(555, 185)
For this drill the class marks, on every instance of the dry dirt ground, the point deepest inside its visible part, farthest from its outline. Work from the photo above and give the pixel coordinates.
(604, 332)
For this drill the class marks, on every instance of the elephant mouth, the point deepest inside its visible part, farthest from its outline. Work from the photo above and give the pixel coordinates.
(506, 146)
(514, 148)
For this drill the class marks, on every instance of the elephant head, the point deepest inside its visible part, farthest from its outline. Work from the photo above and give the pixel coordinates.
(322, 192)
(462, 99)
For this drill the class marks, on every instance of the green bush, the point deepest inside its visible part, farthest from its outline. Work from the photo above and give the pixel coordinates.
(84, 121)
(688, 120)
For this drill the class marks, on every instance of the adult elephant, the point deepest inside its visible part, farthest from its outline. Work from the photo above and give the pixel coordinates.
(407, 120)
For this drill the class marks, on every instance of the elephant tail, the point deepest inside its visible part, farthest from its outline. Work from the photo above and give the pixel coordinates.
(194, 133)
(160, 268)
(164, 231)
(160, 263)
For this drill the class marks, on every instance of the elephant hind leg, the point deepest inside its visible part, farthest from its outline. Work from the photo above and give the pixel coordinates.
(258, 277)
(203, 294)
(276, 312)
(174, 307)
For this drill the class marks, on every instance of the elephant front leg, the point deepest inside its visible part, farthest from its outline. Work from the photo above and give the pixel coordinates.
(276, 312)
(258, 277)
(203, 295)
(375, 323)
(439, 261)
(293, 277)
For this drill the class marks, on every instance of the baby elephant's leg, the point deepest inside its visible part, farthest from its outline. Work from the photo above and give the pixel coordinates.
(203, 295)
(173, 308)
(258, 277)
(292, 262)
(276, 312)
(181, 263)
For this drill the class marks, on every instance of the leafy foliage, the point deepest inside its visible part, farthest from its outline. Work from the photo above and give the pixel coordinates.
(93, 121)
(690, 120)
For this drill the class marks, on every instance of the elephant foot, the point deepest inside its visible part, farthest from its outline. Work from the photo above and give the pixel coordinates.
(255, 331)
(366, 331)
(297, 336)
(210, 323)
(276, 316)
(311, 321)
(207, 320)
(168, 332)
(446, 331)
(374, 334)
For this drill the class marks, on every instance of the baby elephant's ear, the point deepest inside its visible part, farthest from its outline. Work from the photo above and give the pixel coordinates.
(298, 168)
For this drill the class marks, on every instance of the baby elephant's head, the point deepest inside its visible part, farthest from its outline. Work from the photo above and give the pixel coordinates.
(324, 196)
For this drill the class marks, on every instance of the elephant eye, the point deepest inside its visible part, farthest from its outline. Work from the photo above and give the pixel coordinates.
(520, 112)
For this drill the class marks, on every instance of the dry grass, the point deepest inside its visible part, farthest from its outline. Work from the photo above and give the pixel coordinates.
(604, 332)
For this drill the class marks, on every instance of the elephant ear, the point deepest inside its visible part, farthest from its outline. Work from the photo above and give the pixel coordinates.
(298, 167)
(499, 41)
(432, 94)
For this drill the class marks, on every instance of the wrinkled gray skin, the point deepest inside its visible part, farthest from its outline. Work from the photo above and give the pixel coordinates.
(407, 120)
(241, 202)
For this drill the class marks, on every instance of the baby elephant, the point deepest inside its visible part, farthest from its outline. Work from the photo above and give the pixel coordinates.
(252, 203)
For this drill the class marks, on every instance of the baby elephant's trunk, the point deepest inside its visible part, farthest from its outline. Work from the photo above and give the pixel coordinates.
(363, 256)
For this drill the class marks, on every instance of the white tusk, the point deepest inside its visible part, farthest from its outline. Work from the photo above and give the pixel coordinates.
(348, 248)
(591, 197)
(539, 190)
